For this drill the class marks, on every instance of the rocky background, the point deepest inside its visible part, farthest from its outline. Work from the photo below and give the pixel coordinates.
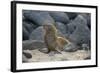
(73, 26)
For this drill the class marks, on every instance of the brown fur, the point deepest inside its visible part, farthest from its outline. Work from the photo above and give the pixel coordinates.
(52, 41)
(61, 42)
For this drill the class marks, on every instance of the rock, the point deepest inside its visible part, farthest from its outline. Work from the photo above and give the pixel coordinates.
(24, 59)
(72, 15)
(71, 27)
(23, 18)
(61, 27)
(47, 18)
(87, 58)
(28, 55)
(82, 33)
(60, 17)
(29, 26)
(44, 50)
(37, 34)
(38, 17)
(87, 16)
(25, 34)
(80, 20)
(70, 47)
(33, 44)
(85, 47)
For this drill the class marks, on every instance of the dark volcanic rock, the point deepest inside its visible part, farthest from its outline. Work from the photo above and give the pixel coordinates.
(70, 27)
(24, 59)
(79, 20)
(33, 44)
(82, 33)
(38, 17)
(60, 17)
(87, 16)
(28, 55)
(29, 26)
(23, 17)
(71, 15)
(37, 34)
(61, 27)
(25, 34)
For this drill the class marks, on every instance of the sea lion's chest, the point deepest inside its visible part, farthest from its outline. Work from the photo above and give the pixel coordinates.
(50, 37)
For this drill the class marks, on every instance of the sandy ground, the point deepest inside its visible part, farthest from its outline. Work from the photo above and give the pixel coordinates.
(38, 56)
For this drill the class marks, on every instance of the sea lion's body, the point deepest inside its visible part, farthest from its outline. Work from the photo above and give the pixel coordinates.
(50, 37)
(52, 40)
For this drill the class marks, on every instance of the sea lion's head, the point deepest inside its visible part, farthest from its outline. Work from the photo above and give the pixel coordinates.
(50, 28)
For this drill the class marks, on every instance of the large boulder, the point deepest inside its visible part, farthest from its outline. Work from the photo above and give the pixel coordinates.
(29, 26)
(79, 20)
(87, 16)
(38, 17)
(33, 44)
(61, 27)
(27, 54)
(24, 58)
(82, 33)
(70, 27)
(25, 34)
(71, 15)
(60, 17)
(37, 34)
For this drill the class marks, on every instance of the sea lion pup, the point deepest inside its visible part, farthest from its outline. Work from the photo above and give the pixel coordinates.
(52, 40)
